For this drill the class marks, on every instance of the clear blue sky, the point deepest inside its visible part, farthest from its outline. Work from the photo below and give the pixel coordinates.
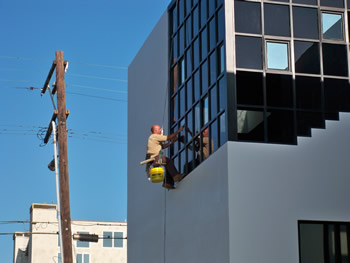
(92, 35)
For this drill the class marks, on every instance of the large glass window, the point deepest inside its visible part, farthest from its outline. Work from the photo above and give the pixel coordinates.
(307, 57)
(204, 44)
(83, 258)
(212, 68)
(248, 52)
(250, 124)
(204, 77)
(221, 59)
(247, 17)
(308, 93)
(188, 36)
(213, 103)
(281, 126)
(279, 90)
(196, 52)
(334, 60)
(337, 95)
(196, 86)
(181, 41)
(221, 25)
(332, 26)
(204, 12)
(250, 88)
(276, 19)
(195, 21)
(332, 3)
(113, 239)
(189, 94)
(277, 54)
(305, 22)
(212, 34)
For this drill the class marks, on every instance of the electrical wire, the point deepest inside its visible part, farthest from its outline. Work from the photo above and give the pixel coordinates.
(94, 88)
(95, 77)
(93, 96)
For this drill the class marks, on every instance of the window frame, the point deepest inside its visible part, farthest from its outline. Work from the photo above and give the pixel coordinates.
(268, 40)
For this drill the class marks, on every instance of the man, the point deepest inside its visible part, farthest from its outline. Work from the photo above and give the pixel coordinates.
(155, 145)
(205, 146)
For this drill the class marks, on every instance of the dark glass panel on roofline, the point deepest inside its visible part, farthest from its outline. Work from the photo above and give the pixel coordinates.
(277, 55)
(222, 129)
(337, 95)
(279, 90)
(307, 120)
(305, 22)
(307, 57)
(332, 26)
(247, 17)
(196, 86)
(306, 2)
(308, 93)
(204, 77)
(195, 21)
(212, 34)
(196, 53)
(213, 102)
(189, 94)
(280, 126)
(204, 43)
(250, 124)
(249, 87)
(332, 3)
(276, 20)
(334, 60)
(203, 12)
(212, 68)
(248, 52)
(221, 24)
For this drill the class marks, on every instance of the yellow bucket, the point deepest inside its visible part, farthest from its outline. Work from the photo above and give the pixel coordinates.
(157, 174)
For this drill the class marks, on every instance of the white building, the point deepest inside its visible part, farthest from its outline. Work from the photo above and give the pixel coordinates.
(42, 244)
(276, 185)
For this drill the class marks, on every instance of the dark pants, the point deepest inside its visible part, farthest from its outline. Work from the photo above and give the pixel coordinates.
(171, 170)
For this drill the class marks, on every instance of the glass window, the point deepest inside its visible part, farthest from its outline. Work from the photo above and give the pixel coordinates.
(189, 125)
(195, 54)
(222, 94)
(83, 243)
(204, 44)
(212, 68)
(221, 58)
(182, 72)
(334, 60)
(188, 37)
(174, 16)
(307, 57)
(279, 90)
(247, 17)
(305, 22)
(222, 127)
(190, 154)
(182, 102)
(195, 22)
(306, 2)
(174, 107)
(213, 102)
(204, 76)
(107, 239)
(174, 49)
(211, 7)
(189, 94)
(181, 41)
(332, 26)
(332, 3)
(308, 93)
(174, 79)
(337, 95)
(204, 14)
(188, 6)
(181, 11)
(250, 124)
(118, 239)
(212, 34)
(221, 25)
(205, 111)
(196, 86)
(213, 137)
(277, 55)
(276, 20)
(59, 258)
(249, 86)
(306, 120)
(188, 62)
(281, 0)
(248, 52)
(281, 126)
(83, 258)
(196, 118)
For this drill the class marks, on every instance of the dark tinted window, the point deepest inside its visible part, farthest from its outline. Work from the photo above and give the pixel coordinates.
(281, 126)
(204, 44)
(248, 52)
(174, 49)
(247, 17)
(307, 57)
(204, 76)
(221, 25)
(181, 41)
(195, 21)
(335, 60)
(213, 102)
(189, 94)
(305, 22)
(204, 12)
(306, 120)
(306, 2)
(332, 26)
(182, 102)
(250, 124)
(249, 86)
(279, 90)
(181, 11)
(212, 68)
(277, 20)
(188, 36)
(188, 62)
(196, 86)
(337, 95)
(222, 94)
(212, 34)
(222, 129)
(308, 93)
(332, 3)
(211, 7)
(196, 53)
(281, 0)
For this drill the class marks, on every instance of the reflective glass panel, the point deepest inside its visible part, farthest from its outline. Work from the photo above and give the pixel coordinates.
(221, 58)
(250, 124)
(306, 120)
(337, 95)
(182, 72)
(189, 94)
(182, 102)
(249, 87)
(174, 79)
(181, 41)
(276, 20)
(118, 239)
(279, 90)
(174, 15)
(174, 107)
(107, 239)
(248, 52)
(332, 26)
(211, 7)
(277, 55)
(221, 25)
(196, 86)
(79, 258)
(213, 102)
(196, 118)
(204, 75)
(281, 126)
(188, 62)
(190, 154)
(196, 53)
(181, 10)
(280, 0)
(247, 17)
(306, 2)
(305, 22)
(205, 111)
(212, 34)
(204, 12)
(188, 36)
(213, 136)
(212, 68)
(204, 44)
(332, 3)
(307, 57)
(189, 126)
(308, 93)
(222, 127)
(183, 162)
(222, 94)
(188, 6)
(174, 49)
(195, 22)
(334, 60)
(86, 258)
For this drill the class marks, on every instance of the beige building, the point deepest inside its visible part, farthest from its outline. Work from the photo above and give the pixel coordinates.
(42, 245)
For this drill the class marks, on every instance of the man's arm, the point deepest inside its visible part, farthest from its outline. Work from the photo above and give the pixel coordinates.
(172, 136)
(166, 145)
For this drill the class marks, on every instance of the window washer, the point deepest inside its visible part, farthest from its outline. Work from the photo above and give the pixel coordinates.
(155, 145)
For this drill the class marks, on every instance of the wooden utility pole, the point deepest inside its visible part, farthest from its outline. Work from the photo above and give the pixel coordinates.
(63, 160)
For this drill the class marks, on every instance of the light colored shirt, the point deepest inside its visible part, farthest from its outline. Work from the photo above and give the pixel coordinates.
(154, 144)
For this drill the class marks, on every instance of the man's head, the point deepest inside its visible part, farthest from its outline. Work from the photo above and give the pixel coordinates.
(156, 129)
(205, 133)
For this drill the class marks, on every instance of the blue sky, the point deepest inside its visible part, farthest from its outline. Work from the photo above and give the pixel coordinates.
(99, 39)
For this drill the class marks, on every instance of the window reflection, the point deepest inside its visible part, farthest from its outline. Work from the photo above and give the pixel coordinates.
(189, 126)
(212, 68)
(182, 72)
(221, 58)
(306, 2)
(204, 14)
(248, 52)
(222, 127)
(249, 86)
(188, 31)
(332, 26)
(188, 62)
(277, 55)
(205, 110)
(182, 102)
(204, 75)
(250, 124)
(221, 25)
(334, 60)
(276, 19)
(307, 57)
(308, 93)
(332, 3)
(189, 94)
(204, 44)
(281, 126)
(181, 40)
(196, 54)
(197, 118)
(279, 90)
(174, 107)
(222, 94)
(195, 21)
(174, 78)
(305, 22)
(196, 86)
(213, 137)
(247, 17)
(213, 103)
(211, 7)
(174, 49)
(212, 34)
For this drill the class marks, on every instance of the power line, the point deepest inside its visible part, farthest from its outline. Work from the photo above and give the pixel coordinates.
(92, 96)
(95, 77)
(94, 88)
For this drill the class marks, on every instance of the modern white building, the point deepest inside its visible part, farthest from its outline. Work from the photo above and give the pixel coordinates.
(270, 80)
(41, 243)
